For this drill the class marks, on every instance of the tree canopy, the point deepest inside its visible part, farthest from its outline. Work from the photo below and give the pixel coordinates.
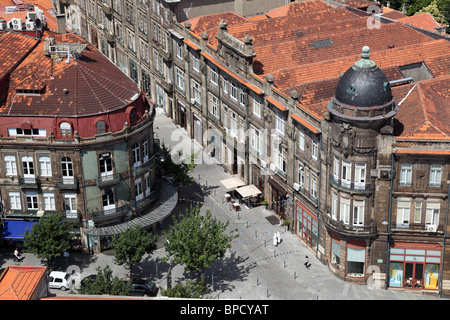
(49, 238)
(196, 240)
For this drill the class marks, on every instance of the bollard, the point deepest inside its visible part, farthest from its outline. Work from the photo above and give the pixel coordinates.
(284, 264)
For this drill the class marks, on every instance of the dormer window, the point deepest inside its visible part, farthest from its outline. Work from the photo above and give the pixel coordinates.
(100, 126)
(65, 129)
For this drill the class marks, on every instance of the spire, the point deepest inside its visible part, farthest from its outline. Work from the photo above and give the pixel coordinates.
(365, 62)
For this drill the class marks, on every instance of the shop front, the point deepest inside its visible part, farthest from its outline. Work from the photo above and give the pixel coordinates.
(306, 225)
(415, 265)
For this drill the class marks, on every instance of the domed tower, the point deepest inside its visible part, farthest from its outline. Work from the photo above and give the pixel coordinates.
(360, 112)
(363, 96)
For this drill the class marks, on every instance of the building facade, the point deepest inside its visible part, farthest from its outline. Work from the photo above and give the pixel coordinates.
(351, 148)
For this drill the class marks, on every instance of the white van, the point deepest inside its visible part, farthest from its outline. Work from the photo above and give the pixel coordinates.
(60, 280)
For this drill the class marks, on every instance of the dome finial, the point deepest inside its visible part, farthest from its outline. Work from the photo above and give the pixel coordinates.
(365, 62)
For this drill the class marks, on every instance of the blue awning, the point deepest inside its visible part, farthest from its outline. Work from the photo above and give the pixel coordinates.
(15, 229)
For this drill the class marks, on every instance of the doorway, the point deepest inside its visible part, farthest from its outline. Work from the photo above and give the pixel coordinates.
(413, 275)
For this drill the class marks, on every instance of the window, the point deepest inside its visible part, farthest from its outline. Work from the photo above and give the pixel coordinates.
(225, 86)
(418, 212)
(360, 175)
(65, 128)
(133, 116)
(346, 173)
(345, 210)
(256, 140)
(301, 140)
(403, 210)
(195, 63)
(49, 201)
(279, 124)
(197, 92)
(214, 102)
(242, 98)
(108, 201)
(355, 262)
(32, 200)
(66, 168)
(214, 76)
(281, 159)
(233, 124)
(145, 151)
(432, 213)
(10, 165)
(315, 150)
(27, 166)
(139, 190)
(435, 175)
(45, 166)
(313, 190)
(405, 174)
(233, 91)
(105, 164)
(136, 153)
(100, 126)
(147, 184)
(256, 107)
(358, 212)
(179, 51)
(70, 203)
(335, 253)
(301, 176)
(334, 206)
(14, 200)
(180, 79)
(336, 168)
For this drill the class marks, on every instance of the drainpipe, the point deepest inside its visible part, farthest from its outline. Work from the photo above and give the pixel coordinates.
(389, 224)
(247, 153)
(443, 245)
(293, 178)
(318, 194)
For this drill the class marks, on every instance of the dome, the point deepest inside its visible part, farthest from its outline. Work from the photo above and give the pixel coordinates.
(364, 84)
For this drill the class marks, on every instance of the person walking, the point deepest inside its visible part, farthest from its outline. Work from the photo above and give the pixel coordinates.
(17, 255)
(275, 240)
(278, 237)
(307, 264)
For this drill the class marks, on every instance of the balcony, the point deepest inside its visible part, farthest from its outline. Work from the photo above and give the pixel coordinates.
(144, 167)
(110, 214)
(29, 182)
(107, 9)
(67, 183)
(350, 230)
(108, 180)
(350, 186)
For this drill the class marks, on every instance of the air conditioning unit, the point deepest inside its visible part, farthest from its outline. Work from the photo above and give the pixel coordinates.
(101, 26)
(296, 186)
(431, 228)
(30, 25)
(263, 164)
(273, 167)
(16, 23)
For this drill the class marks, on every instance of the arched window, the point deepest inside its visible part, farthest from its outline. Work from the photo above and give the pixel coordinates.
(65, 128)
(100, 126)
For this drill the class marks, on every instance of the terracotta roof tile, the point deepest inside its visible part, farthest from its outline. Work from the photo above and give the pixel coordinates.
(421, 20)
(20, 282)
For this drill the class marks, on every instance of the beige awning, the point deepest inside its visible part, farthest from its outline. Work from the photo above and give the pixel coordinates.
(232, 183)
(248, 191)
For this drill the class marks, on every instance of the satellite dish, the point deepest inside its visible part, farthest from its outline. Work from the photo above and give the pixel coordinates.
(38, 23)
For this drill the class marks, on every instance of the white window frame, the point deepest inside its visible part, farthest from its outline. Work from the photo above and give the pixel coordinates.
(214, 105)
(432, 213)
(195, 63)
(358, 212)
(225, 86)
(28, 166)
(31, 197)
(139, 189)
(233, 91)
(405, 174)
(301, 140)
(213, 76)
(403, 213)
(15, 200)
(315, 150)
(360, 175)
(233, 124)
(435, 175)
(197, 92)
(10, 165)
(336, 168)
(334, 206)
(256, 140)
(256, 107)
(45, 166)
(136, 154)
(180, 79)
(301, 176)
(313, 189)
(147, 184)
(418, 211)
(279, 124)
(179, 50)
(346, 173)
(280, 159)
(344, 210)
(70, 202)
(49, 201)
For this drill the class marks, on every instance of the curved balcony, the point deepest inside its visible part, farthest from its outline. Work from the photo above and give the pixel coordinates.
(108, 180)
(354, 231)
(138, 170)
(111, 214)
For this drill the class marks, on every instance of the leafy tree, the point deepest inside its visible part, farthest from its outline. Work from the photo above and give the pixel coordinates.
(195, 241)
(131, 245)
(439, 10)
(190, 290)
(105, 283)
(179, 171)
(49, 238)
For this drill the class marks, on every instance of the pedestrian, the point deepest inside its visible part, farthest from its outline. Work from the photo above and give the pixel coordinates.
(307, 264)
(278, 237)
(17, 254)
(275, 240)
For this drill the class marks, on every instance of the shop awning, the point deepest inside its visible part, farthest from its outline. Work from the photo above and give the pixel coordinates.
(248, 191)
(277, 187)
(15, 229)
(232, 183)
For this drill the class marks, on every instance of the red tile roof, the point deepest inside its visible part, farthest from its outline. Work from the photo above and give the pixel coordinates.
(422, 20)
(21, 282)
(93, 83)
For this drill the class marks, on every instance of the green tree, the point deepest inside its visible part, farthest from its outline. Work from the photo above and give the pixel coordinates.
(179, 171)
(196, 240)
(131, 245)
(190, 290)
(49, 238)
(105, 283)
(439, 10)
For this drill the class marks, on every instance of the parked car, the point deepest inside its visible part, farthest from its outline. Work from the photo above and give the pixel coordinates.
(143, 288)
(89, 279)
(60, 280)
